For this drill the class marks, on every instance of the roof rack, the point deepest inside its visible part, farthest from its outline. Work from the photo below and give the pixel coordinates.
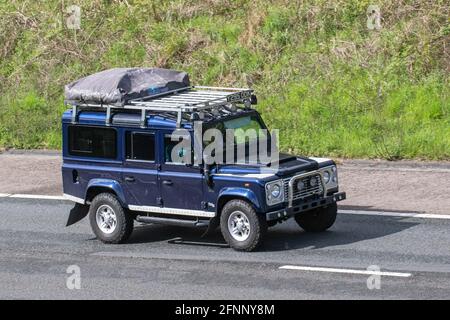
(194, 102)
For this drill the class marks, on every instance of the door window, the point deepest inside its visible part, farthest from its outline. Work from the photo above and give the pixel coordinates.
(174, 152)
(140, 146)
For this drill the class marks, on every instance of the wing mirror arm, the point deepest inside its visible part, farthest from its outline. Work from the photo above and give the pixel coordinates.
(207, 171)
(207, 175)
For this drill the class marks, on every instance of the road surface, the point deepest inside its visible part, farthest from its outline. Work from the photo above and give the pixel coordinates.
(36, 251)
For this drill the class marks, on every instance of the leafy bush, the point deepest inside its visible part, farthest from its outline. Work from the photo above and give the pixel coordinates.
(329, 84)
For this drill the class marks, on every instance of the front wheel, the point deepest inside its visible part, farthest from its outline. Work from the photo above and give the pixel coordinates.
(109, 221)
(241, 226)
(317, 220)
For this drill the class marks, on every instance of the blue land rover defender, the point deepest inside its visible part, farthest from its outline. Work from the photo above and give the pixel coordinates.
(118, 168)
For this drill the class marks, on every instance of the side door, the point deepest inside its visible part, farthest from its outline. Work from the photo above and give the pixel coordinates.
(181, 185)
(140, 171)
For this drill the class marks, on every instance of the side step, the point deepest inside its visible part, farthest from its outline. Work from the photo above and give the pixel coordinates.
(172, 221)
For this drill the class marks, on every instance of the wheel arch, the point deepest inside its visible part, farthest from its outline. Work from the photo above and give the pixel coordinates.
(97, 186)
(229, 194)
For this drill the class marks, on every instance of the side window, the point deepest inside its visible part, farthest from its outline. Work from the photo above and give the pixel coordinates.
(168, 148)
(92, 142)
(140, 146)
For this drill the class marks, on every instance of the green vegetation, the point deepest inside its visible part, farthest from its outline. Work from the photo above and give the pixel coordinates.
(332, 86)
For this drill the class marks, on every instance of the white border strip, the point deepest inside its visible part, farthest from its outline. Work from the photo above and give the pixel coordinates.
(72, 198)
(4, 195)
(36, 196)
(396, 214)
(347, 271)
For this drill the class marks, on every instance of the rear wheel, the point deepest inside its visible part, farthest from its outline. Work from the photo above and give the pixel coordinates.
(317, 220)
(241, 226)
(109, 221)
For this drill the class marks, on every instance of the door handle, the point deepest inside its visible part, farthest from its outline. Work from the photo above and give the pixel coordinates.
(130, 179)
(167, 182)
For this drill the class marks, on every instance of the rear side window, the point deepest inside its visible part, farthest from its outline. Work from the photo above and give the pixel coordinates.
(92, 142)
(140, 146)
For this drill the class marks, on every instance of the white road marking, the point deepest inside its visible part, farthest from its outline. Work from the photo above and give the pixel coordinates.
(396, 214)
(3, 195)
(73, 199)
(347, 271)
(36, 196)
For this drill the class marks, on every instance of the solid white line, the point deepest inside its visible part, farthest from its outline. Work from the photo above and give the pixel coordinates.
(72, 198)
(397, 214)
(3, 195)
(348, 271)
(37, 196)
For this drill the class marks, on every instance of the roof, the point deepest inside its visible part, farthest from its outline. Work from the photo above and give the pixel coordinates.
(180, 105)
(133, 119)
(121, 119)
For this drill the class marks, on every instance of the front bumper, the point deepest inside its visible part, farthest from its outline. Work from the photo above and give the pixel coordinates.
(312, 204)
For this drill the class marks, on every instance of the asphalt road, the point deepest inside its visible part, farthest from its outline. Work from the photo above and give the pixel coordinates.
(36, 250)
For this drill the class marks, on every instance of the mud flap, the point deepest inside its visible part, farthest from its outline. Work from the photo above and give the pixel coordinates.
(213, 224)
(78, 212)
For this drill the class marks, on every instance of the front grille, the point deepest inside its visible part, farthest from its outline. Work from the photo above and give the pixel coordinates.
(308, 189)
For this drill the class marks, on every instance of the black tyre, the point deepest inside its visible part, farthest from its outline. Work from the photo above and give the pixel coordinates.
(109, 221)
(317, 220)
(242, 228)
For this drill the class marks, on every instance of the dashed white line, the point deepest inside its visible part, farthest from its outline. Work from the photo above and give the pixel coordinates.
(396, 214)
(347, 271)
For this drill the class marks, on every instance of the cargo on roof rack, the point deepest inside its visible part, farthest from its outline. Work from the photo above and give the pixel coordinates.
(186, 102)
(119, 85)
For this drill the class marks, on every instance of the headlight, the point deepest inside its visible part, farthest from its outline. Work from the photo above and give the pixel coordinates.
(330, 176)
(334, 171)
(274, 192)
(326, 176)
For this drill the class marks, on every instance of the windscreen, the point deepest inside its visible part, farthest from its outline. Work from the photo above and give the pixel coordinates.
(241, 137)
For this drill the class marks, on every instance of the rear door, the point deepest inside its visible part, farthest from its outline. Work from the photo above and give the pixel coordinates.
(140, 173)
(89, 152)
(181, 185)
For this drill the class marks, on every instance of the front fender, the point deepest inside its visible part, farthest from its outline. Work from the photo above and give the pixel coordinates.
(245, 193)
(110, 184)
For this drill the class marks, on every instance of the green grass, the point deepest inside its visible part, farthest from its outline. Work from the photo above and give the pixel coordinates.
(331, 86)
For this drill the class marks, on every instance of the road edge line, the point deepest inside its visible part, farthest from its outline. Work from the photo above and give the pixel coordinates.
(395, 214)
(36, 196)
(347, 271)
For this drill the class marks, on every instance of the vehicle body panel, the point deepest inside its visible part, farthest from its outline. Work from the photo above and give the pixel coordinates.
(171, 188)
